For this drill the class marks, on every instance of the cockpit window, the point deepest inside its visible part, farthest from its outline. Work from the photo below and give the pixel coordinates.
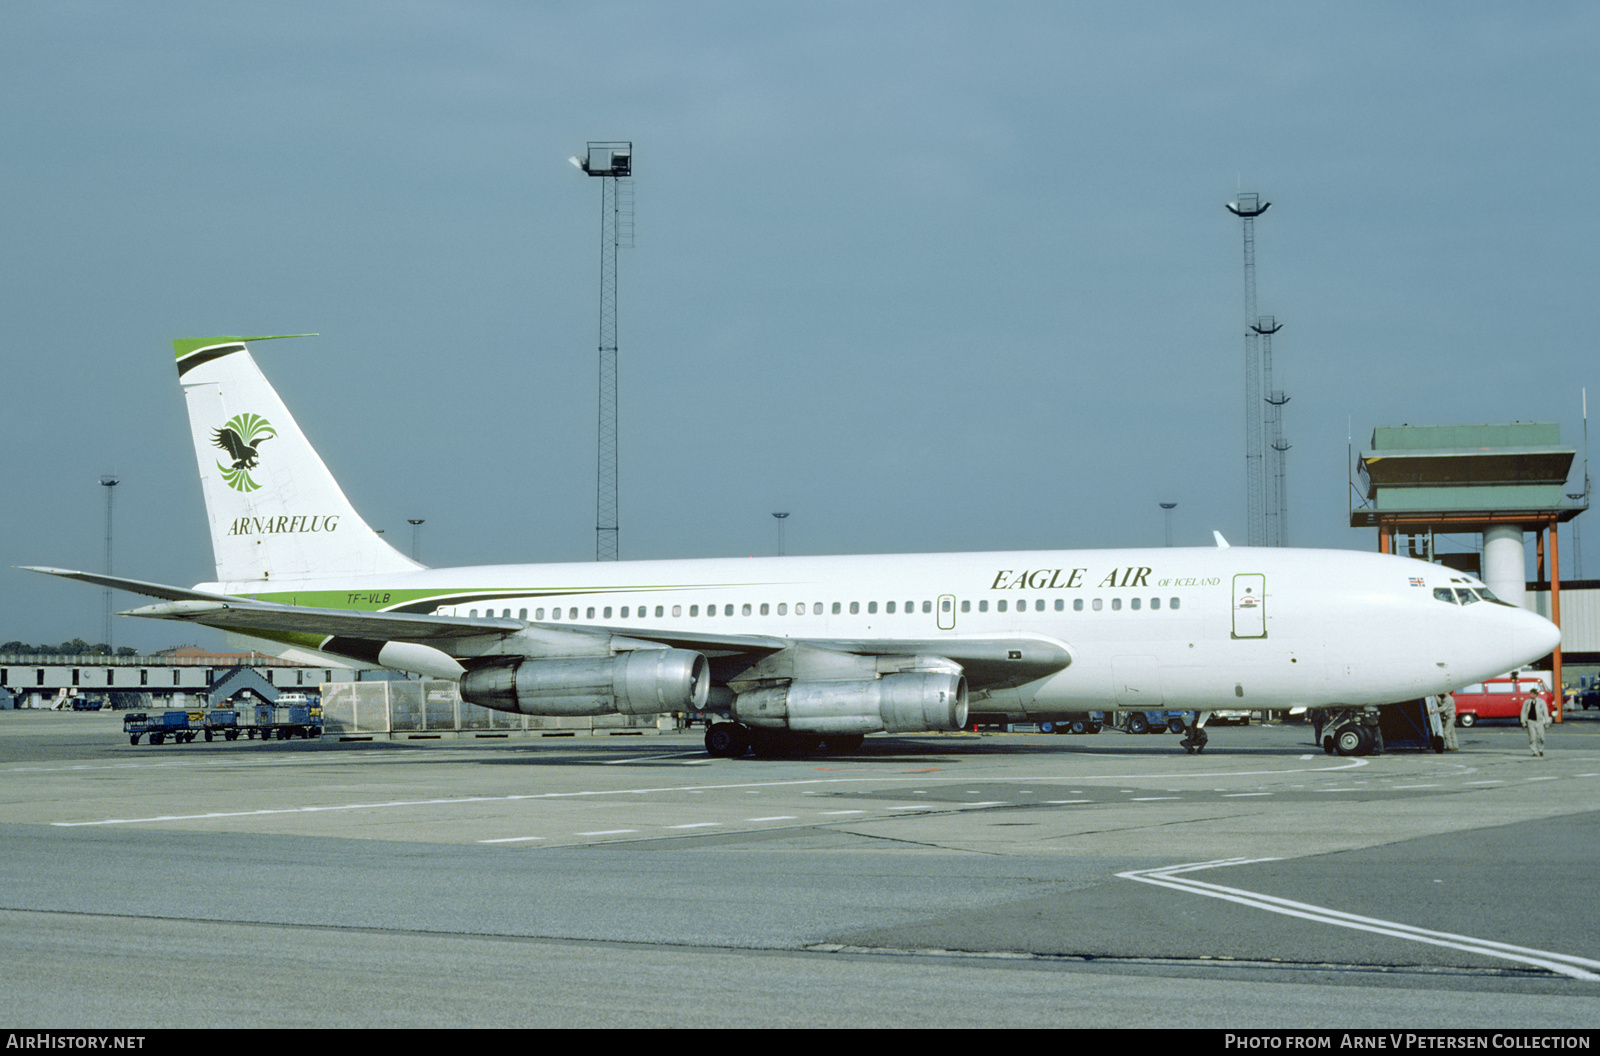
(1465, 597)
(1445, 594)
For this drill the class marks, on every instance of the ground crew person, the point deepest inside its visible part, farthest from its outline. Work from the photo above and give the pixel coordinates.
(1447, 719)
(1535, 717)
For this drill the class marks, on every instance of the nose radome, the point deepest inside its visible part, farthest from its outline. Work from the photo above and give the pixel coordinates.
(1535, 636)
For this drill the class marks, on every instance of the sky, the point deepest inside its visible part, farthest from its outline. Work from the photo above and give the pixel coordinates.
(930, 276)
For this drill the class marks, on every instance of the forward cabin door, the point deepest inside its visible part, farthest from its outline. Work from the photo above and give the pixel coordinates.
(1250, 605)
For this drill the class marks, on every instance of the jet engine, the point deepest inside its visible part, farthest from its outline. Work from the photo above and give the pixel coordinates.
(906, 702)
(640, 682)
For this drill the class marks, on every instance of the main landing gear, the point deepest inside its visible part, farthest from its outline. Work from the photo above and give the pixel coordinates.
(731, 740)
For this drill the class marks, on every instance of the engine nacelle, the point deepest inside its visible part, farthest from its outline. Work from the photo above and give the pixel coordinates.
(641, 682)
(907, 702)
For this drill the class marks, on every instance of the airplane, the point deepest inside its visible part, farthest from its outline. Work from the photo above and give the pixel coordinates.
(811, 652)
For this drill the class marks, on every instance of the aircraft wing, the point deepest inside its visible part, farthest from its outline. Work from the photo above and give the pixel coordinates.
(237, 614)
(989, 662)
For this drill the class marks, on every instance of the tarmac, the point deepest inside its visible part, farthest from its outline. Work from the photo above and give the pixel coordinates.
(965, 880)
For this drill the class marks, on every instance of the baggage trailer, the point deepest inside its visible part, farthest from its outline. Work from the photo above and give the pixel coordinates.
(264, 721)
(180, 727)
(285, 719)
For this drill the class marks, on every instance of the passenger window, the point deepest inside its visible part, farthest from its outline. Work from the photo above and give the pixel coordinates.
(872, 607)
(677, 610)
(983, 606)
(1134, 603)
(472, 612)
(966, 606)
(783, 608)
(1173, 603)
(944, 605)
(1116, 604)
(1000, 606)
(589, 613)
(763, 608)
(522, 614)
(711, 610)
(1155, 603)
(694, 610)
(816, 609)
(1038, 606)
(889, 608)
(927, 606)
(727, 610)
(855, 608)
(1077, 604)
(911, 607)
(1097, 604)
(1061, 604)
(608, 612)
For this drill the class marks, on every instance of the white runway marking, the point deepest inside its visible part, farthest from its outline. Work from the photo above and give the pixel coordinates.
(1560, 963)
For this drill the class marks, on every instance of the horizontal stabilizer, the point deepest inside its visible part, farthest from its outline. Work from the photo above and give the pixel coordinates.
(133, 586)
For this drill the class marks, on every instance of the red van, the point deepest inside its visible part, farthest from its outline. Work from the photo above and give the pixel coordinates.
(1499, 698)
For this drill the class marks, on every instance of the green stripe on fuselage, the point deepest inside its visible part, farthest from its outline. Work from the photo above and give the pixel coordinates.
(425, 601)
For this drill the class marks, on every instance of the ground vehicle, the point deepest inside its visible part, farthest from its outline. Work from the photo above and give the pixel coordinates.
(1226, 718)
(1154, 721)
(1082, 722)
(176, 725)
(1500, 698)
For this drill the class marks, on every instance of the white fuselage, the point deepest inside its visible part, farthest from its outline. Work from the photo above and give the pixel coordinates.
(1201, 628)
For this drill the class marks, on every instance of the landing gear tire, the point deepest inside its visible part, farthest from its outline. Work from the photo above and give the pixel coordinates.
(727, 740)
(1137, 723)
(1353, 740)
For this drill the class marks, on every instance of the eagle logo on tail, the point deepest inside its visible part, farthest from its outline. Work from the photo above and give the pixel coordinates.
(242, 438)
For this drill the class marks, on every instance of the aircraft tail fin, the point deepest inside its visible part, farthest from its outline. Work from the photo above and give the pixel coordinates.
(276, 512)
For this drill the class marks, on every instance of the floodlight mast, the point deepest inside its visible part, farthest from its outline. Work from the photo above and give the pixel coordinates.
(613, 162)
(1247, 208)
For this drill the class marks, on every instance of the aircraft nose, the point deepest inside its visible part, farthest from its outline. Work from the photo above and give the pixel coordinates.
(1535, 636)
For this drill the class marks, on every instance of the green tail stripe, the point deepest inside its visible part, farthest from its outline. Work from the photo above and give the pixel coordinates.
(193, 351)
